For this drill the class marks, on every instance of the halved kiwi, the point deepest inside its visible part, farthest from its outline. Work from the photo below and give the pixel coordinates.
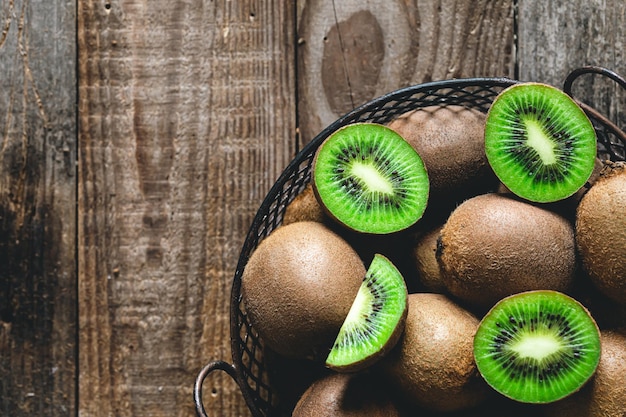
(539, 142)
(371, 180)
(375, 320)
(537, 346)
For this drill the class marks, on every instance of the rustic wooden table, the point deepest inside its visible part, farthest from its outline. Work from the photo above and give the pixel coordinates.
(138, 137)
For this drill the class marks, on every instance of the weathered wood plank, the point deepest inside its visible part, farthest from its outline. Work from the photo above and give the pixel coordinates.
(186, 119)
(352, 51)
(556, 37)
(37, 208)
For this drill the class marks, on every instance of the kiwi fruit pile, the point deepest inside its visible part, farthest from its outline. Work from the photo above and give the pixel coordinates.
(450, 263)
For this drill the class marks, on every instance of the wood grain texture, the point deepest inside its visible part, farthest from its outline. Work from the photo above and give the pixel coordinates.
(186, 120)
(37, 208)
(352, 51)
(555, 37)
(115, 283)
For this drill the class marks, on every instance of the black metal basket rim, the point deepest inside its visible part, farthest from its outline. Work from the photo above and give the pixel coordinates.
(234, 370)
(311, 145)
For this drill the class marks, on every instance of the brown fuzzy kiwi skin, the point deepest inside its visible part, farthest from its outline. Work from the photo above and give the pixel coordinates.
(608, 313)
(493, 246)
(304, 207)
(426, 264)
(604, 395)
(450, 140)
(346, 395)
(432, 366)
(298, 286)
(601, 231)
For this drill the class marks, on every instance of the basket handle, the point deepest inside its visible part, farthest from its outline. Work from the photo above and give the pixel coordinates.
(197, 389)
(592, 69)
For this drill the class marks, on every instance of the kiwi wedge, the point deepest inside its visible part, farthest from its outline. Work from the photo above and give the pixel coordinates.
(375, 320)
(537, 346)
(539, 142)
(370, 179)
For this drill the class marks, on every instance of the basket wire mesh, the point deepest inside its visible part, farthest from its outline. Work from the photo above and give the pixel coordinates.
(250, 367)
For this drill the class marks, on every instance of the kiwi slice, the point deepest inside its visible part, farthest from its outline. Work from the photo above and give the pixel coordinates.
(368, 178)
(539, 142)
(537, 346)
(375, 320)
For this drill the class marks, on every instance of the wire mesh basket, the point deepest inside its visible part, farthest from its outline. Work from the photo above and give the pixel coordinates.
(251, 368)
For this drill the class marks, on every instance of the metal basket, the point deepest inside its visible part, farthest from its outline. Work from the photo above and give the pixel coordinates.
(250, 368)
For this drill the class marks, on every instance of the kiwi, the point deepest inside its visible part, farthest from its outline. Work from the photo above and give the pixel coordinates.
(375, 321)
(304, 207)
(539, 142)
(346, 395)
(601, 231)
(605, 393)
(537, 346)
(426, 264)
(608, 313)
(568, 206)
(450, 139)
(298, 286)
(432, 366)
(493, 246)
(369, 179)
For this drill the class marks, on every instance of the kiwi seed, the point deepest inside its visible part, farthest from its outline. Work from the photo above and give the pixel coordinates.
(368, 178)
(537, 346)
(539, 142)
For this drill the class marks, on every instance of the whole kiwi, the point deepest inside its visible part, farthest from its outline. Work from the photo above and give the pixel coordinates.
(432, 366)
(601, 231)
(494, 245)
(605, 394)
(346, 395)
(298, 286)
(450, 140)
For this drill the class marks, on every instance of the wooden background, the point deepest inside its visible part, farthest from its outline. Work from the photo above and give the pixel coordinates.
(138, 137)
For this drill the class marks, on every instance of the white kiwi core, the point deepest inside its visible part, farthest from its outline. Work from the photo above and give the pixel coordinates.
(370, 175)
(540, 142)
(536, 346)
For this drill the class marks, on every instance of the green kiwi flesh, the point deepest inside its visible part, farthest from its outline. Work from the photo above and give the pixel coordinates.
(537, 346)
(368, 178)
(539, 142)
(375, 320)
